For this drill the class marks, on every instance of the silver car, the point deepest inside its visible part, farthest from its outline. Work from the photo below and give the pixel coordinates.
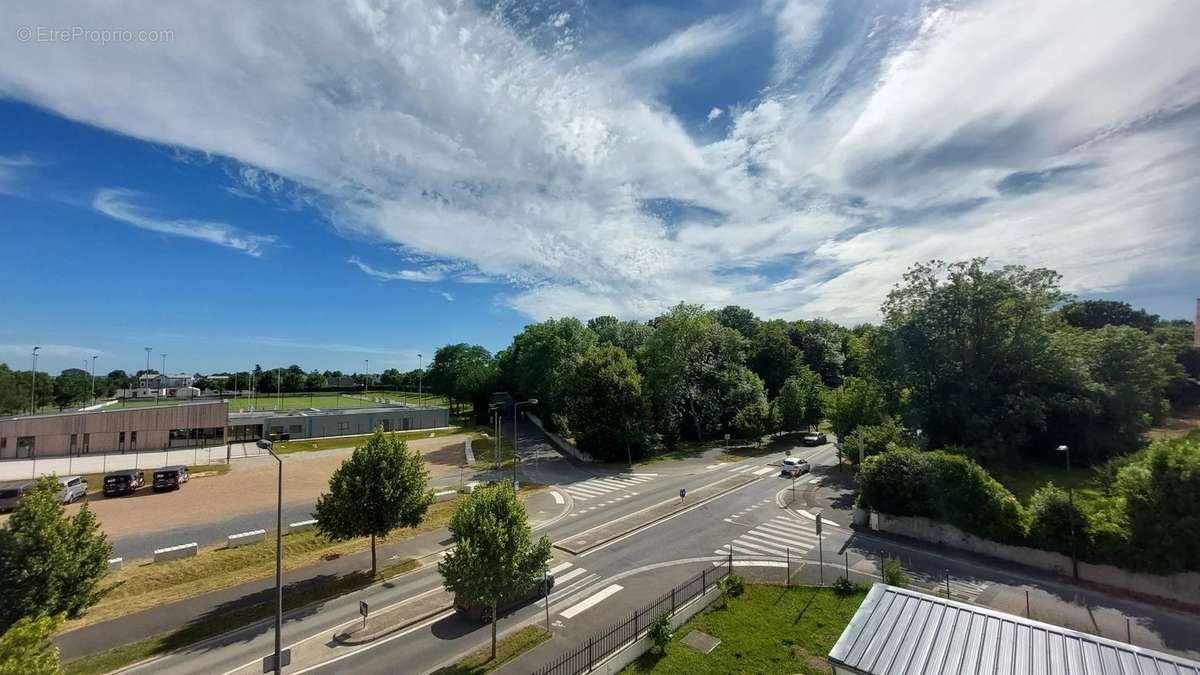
(73, 488)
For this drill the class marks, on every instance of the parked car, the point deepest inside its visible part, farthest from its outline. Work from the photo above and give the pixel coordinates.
(170, 478)
(794, 466)
(73, 488)
(124, 482)
(483, 614)
(11, 493)
(812, 438)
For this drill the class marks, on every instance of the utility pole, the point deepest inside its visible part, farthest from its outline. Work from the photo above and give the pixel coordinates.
(92, 396)
(1071, 521)
(278, 389)
(420, 374)
(33, 384)
(270, 447)
(367, 381)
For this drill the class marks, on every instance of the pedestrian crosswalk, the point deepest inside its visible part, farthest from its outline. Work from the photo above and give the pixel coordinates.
(779, 537)
(960, 589)
(608, 486)
(577, 590)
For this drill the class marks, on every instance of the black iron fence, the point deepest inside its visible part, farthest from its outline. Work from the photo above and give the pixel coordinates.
(611, 640)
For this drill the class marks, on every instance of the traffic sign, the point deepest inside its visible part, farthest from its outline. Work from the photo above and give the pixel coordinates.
(362, 608)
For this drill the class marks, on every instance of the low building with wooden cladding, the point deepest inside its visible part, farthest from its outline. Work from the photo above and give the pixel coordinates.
(124, 430)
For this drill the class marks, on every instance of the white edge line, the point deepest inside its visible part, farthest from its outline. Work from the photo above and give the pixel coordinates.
(558, 499)
(591, 601)
(372, 645)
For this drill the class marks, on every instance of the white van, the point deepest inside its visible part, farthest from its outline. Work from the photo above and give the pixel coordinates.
(73, 488)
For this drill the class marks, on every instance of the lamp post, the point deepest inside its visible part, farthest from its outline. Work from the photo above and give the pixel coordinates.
(269, 447)
(92, 395)
(517, 404)
(420, 374)
(278, 389)
(367, 381)
(162, 378)
(33, 384)
(1071, 516)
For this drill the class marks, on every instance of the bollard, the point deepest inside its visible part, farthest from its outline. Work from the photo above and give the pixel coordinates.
(1128, 631)
(947, 583)
(1028, 614)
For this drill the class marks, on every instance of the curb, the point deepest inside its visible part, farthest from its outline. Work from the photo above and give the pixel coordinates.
(343, 638)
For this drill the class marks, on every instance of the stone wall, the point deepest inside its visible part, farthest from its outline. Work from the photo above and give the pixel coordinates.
(559, 442)
(1181, 588)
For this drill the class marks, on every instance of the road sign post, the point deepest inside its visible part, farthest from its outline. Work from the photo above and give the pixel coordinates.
(363, 608)
(682, 493)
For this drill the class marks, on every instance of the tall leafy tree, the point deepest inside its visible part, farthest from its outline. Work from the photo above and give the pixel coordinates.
(822, 343)
(801, 401)
(543, 358)
(494, 555)
(26, 648)
(858, 402)
(740, 319)
(773, 357)
(71, 387)
(971, 344)
(1101, 313)
(381, 487)
(465, 373)
(628, 335)
(1161, 495)
(314, 381)
(12, 399)
(120, 379)
(49, 564)
(608, 412)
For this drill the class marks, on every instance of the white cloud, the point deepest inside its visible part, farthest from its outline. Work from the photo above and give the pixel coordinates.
(25, 351)
(118, 204)
(714, 114)
(399, 275)
(882, 139)
(448, 297)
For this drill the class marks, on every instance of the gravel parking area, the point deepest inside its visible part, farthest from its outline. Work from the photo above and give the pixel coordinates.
(249, 488)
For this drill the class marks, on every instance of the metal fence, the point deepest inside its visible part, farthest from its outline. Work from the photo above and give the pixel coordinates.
(607, 642)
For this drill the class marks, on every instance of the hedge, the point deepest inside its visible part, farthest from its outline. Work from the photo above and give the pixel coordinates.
(943, 487)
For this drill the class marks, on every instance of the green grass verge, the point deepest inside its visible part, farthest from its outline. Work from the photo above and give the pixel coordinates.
(507, 648)
(334, 442)
(201, 629)
(769, 629)
(1024, 478)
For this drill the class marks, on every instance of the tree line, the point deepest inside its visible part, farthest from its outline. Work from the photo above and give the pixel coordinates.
(997, 362)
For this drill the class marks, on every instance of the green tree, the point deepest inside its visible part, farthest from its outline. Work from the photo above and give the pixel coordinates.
(542, 360)
(1054, 520)
(740, 319)
(893, 573)
(1178, 336)
(71, 387)
(314, 381)
(465, 373)
(1161, 493)
(628, 335)
(801, 401)
(120, 380)
(608, 412)
(26, 648)
(494, 555)
(381, 487)
(773, 357)
(12, 399)
(869, 440)
(49, 564)
(660, 632)
(1101, 313)
(754, 420)
(971, 344)
(822, 343)
(858, 401)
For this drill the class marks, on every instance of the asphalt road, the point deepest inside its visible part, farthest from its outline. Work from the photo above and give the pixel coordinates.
(763, 523)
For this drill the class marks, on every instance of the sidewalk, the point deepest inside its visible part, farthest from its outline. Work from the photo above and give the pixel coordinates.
(134, 627)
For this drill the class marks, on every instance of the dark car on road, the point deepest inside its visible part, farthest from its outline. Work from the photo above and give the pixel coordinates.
(483, 614)
(812, 438)
(170, 478)
(11, 493)
(124, 482)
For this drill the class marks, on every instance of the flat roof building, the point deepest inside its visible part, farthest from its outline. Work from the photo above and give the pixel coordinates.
(902, 631)
(321, 422)
(124, 430)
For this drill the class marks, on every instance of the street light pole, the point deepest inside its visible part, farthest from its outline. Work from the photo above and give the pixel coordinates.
(420, 374)
(33, 384)
(269, 447)
(367, 381)
(92, 396)
(1071, 516)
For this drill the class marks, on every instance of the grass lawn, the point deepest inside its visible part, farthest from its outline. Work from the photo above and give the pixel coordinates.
(124, 655)
(311, 444)
(507, 648)
(139, 586)
(1023, 479)
(769, 629)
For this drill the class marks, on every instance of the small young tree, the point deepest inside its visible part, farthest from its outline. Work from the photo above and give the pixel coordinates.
(49, 564)
(893, 573)
(26, 649)
(381, 487)
(660, 632)
(494, 555)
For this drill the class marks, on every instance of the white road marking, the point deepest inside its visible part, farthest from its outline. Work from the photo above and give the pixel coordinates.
(712, 466)
(569, 575)
(592, 601)
(558, 568)
(768, 469)
(558, 499)
(643, 475)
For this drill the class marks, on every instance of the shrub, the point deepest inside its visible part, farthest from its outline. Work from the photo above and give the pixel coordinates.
(893, 573)
(732, 586)
(1054, 520)
(875, 439)
(1160, 491)
(943, 487)
(660, 632)
(843, 587)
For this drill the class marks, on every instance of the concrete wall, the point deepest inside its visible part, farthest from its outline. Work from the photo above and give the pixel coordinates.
(559, 442)
(52, 433)
(617, 662)
(352, 422)
(1180, 588)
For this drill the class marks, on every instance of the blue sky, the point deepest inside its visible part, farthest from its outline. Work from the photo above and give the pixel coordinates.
(234, 185)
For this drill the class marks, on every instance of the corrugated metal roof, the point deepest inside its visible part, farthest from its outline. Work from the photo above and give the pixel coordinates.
(901, 631)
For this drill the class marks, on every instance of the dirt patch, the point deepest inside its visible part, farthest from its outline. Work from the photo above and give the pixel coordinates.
(248, 489)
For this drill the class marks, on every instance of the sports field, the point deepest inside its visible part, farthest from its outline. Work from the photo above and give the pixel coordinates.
(294, 401)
